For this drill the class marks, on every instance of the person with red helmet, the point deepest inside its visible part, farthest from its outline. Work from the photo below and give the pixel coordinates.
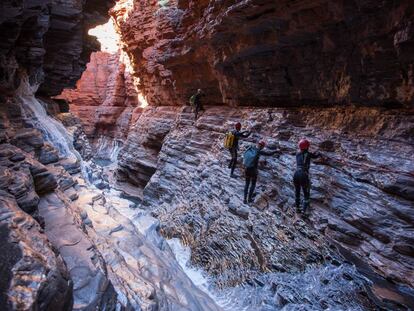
(251, 163)
(235, 148)
(301, 177)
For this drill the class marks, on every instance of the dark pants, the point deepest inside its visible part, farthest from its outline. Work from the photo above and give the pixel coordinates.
(233, 161)
(301, 181)
(251, 178)
(197, 109)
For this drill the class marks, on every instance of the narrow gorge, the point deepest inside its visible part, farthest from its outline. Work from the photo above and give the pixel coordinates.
(114, 197)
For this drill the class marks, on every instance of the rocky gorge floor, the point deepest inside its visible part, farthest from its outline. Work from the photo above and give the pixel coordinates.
(361, 199)
(106, 240)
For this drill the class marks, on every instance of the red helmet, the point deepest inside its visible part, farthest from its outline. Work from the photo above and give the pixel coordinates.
(238, 126)
(262, 143)
(304, 144)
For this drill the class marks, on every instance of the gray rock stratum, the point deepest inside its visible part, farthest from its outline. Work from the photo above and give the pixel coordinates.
(35, 273)
(362, 193)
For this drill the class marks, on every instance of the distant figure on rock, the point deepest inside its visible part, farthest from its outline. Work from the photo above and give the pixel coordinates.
(232, 143)
(195, 101)
(301, 178)
(251, 162)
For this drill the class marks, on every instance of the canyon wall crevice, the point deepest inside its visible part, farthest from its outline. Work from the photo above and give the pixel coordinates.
(105, 98)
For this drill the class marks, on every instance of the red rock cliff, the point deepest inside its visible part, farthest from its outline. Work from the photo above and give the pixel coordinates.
(105, 97)
(259, 52)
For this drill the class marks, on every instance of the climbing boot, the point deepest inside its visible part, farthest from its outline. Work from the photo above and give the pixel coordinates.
(297, 204)
(305, 206)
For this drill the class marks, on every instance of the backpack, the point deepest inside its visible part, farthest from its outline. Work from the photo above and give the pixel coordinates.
(229, 140)
(192, 99)
(250, 157)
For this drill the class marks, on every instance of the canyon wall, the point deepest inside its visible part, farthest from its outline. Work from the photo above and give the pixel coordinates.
(44, 48)
(260, 62)
(271, 53)
(105, 98)
(48, 40)
(351, 61)
(40, 266)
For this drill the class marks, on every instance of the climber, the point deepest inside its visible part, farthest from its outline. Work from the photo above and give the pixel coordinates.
(251, 162)
(195, 100)
(301, 177)
(237, 134)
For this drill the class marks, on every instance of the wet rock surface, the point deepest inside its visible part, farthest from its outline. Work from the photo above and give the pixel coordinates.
(140, 266)
(46, 273)
(80, 140)
(195, 199)
(37, 277)
(91, 287)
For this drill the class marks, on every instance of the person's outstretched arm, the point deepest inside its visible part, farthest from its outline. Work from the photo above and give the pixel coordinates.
(321, 158)
(268, 153)
(245, 134)
(314, 155)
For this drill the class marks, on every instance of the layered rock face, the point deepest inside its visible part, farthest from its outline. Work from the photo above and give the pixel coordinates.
(105, 97)
(337, 57)
(68, 244)
(33, 275)
(48, 40)
(361, 194)
(43, 42)
(145, 140)
(271, 53)
(49, 262)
